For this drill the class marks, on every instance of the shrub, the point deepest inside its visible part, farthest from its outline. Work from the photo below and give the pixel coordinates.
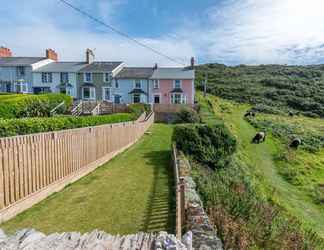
(139, 108)
(187, 115)
(22, 126)
(18, 106)
(211, 145)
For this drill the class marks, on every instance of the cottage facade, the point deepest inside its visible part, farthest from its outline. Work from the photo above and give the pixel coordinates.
(96, 81)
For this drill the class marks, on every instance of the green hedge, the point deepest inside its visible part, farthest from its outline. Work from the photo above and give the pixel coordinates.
(19, 106)
(22, 126)
(211, 145)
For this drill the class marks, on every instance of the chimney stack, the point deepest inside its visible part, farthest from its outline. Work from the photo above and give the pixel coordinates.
(90, 56)
(5, 52)
(192, 62)
(51, 54)
(155, 66)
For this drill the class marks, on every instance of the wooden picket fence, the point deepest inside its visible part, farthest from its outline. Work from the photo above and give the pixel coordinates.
(31, 163)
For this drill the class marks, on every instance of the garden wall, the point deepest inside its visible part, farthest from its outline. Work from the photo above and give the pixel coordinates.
(34, 166)
(191, 216)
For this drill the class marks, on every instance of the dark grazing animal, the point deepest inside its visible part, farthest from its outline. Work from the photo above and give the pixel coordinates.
(259, 137)
(295, 143)
(249, 113)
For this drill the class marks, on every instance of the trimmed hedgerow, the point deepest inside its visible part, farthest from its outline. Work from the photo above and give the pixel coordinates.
(12, 127)
(211, 145)
(19, 106)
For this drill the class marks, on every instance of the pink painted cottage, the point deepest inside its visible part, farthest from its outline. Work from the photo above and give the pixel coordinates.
(173, 85)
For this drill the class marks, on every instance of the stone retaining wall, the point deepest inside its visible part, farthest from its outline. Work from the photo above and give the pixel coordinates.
(200, 231)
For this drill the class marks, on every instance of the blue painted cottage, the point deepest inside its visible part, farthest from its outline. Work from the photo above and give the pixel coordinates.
(132, 85)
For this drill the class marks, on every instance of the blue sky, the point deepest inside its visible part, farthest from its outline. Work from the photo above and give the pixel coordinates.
(223, 31)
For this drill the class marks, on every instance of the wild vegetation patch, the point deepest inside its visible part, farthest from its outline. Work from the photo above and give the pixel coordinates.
(273, 88)
(241, 203)
(303, 167)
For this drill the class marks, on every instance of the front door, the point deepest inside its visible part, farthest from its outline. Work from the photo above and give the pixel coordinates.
(117, 99)
(8, 87)
(136, 98)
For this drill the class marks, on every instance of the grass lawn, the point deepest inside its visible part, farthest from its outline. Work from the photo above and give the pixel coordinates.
(260, 164)
(133, 192)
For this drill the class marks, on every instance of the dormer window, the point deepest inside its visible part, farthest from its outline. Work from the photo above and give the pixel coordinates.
(138, 84)
(87, 77)
(177, 84)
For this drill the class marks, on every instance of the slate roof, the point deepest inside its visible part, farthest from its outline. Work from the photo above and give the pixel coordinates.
(20, 61)
(62, 67)
(135, 73)
(173, 73)
(99, 67)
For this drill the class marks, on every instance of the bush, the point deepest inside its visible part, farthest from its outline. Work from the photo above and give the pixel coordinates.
(19, 106)
(139, 108)
(187, 115)
(12, 127)
(211, 145)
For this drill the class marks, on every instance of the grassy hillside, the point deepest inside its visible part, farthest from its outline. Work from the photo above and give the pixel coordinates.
(272, 88)
(252, 202)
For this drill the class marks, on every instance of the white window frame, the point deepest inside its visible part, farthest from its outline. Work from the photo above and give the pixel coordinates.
(85, 77)
(23, 87)
(92, 91)
(105, 74)
(154, 95)
(183, 98)
(47, 77)
(21, 70)
(174, 84)
(67, 77)
(137, 81)
(116, 84)
(156, 84)
(104, 94)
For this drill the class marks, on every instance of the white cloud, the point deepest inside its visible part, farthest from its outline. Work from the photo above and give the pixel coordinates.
(71, 45)
(236, 31)
(266, 31)
(32, 37)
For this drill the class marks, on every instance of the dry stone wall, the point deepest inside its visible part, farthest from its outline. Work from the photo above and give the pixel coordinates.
(200, 231)
(29, 239)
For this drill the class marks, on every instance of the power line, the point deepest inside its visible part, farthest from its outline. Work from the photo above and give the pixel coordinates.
(84, 13)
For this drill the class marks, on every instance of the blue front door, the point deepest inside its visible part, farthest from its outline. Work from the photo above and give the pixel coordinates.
(117, 99)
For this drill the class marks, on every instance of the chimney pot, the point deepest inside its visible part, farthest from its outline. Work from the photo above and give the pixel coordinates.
(90, 56)
(5, 52)
(51, 54)
(192, 62)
